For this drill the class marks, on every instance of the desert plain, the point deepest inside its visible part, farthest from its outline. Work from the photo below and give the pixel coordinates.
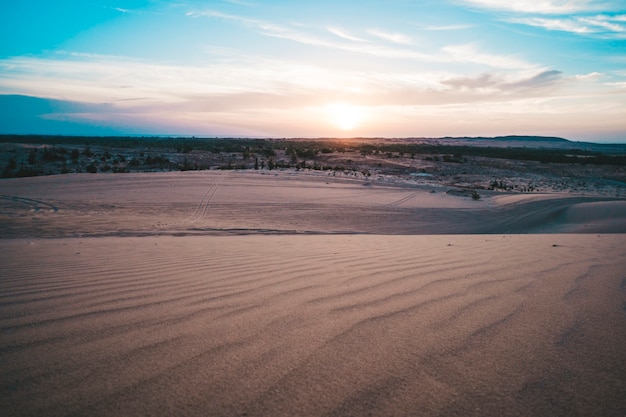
(306, 293)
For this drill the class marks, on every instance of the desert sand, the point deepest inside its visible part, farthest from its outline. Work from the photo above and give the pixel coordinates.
(282, 294)
(245, 202)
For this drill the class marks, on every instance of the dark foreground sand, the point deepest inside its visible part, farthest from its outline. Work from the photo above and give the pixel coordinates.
(124, 322)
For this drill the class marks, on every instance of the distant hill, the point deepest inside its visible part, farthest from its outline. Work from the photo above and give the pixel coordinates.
(510, 141)
(539, 142)
(530, 138)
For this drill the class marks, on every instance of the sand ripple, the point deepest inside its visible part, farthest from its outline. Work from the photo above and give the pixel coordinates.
(335, 325)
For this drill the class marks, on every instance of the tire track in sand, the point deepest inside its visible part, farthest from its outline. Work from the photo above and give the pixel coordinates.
(205, 201)
(34, 205)
(402, 200)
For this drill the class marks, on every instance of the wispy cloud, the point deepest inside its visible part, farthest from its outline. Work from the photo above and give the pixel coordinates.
(345, 35)
(394, 37)
(402, 47)
(494, 83)
(124, 10)
(600, 25)
(244, 64)
(234, 84)
(244, 82)
(225, 16)
(561, 7)
(590, 76)
(446, 27)
(97, 78)
(599, 18)
(243, 94)
(470, 53)
(544, 79)
(271, 29)
(238, 87)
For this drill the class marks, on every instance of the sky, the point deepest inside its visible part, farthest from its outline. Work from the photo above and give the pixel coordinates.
(324, 68)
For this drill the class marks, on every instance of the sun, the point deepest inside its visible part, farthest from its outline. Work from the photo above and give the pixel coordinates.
(345, 116)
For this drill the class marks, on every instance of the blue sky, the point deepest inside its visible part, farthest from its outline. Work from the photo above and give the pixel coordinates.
(395, 68)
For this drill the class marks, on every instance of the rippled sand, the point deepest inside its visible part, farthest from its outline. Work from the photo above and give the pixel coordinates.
(118, 320)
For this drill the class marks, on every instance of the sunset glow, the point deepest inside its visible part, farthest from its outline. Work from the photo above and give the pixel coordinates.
(345, 116)
(312, 69)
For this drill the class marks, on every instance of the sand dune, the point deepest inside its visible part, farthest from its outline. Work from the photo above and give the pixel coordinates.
(314, 325)
(230, 202)
(244, 294)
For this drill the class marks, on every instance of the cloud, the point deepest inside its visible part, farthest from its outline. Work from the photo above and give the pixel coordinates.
(225, 16)
(229, 86)
(561, 7)
(566, 25)
(541, 80)
(277, 30)
(345, 35)
(480, 82)
(469, 53)
(600, 25)
(447, 27)
(592, 76)
(498, 83)
(236, 96)
(97, 78)
(599, 18)
(235, 81)
(123, 10)
(392, 37)
(32, 115)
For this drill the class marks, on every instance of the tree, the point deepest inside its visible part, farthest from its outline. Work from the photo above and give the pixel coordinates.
(32, 156)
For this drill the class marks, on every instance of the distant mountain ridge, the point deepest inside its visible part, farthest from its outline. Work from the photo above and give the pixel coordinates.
(529, 138)
(523, 141)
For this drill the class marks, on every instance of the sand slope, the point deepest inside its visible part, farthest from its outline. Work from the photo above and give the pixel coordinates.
(336, 325)
(231, 202)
